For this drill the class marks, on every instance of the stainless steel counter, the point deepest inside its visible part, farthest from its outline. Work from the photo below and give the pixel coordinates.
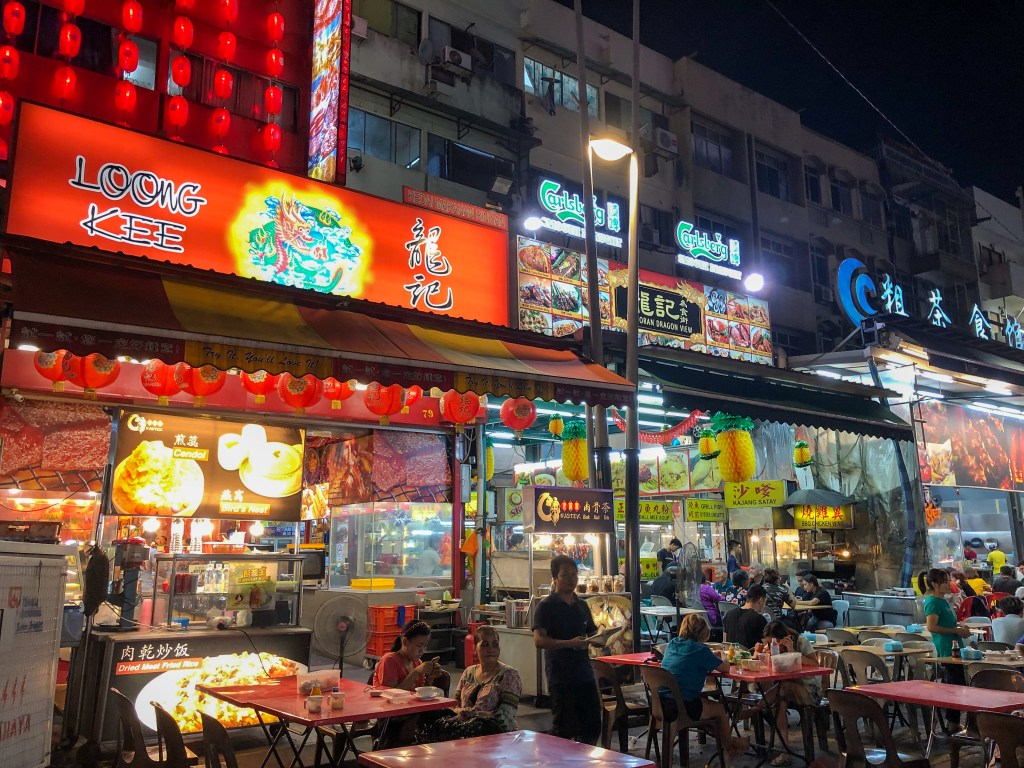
(878, 609)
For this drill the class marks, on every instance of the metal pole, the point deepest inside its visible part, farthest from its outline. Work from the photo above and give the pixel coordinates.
(481, 519)
(601, 478)
(632, 452)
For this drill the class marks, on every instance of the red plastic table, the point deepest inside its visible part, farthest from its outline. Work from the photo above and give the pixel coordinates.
(522, 749)
(632, 659)
(282, 700)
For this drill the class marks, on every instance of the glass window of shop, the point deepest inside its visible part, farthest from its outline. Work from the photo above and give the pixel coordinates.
(980, 518)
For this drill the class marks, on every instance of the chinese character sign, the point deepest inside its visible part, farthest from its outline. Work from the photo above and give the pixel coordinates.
(821, 517)
(755, 493)
(573, 510)
(705, 510)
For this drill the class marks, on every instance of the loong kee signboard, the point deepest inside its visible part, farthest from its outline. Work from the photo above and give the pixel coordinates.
(96, 185)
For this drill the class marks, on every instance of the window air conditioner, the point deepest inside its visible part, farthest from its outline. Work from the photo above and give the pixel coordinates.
(650, 235)
(457, 61)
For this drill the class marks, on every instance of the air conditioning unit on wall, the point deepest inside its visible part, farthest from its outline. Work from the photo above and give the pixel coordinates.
(457, 61)
(666, 143)
(650, 236)
(359, 28)
(823, 295)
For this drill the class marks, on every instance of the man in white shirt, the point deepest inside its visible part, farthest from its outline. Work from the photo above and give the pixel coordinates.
(1009, 628)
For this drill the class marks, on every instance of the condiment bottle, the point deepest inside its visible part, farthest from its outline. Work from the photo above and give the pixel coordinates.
(732, 653)
(316, 690)
(775, 647)
(421, 599)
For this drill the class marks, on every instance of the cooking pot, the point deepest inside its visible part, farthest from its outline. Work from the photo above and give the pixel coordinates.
(517, 613)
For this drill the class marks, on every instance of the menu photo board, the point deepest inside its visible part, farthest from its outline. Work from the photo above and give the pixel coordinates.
(179, 466)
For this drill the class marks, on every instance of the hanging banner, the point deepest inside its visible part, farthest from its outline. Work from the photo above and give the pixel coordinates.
(573, 510)
(705, 511)
(96, 185)
(808, 517)
(755, 493)
(650, 511)
(180, 466)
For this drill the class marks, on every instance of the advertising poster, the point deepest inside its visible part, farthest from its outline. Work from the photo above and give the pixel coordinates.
(970, 447)
(328, 112)
(91, 184)
(554, 300)
(167, 465)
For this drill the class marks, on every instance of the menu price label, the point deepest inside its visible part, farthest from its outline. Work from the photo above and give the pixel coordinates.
(705, 510)
(755, 493)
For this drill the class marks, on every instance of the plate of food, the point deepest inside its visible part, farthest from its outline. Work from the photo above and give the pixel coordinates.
(565, 327)
(565, 264)
(535, 292)
(273, 470)
(150, 481)
(535, 259)
(674, 473)
(534, 321)
(717, 330)
(566, 298)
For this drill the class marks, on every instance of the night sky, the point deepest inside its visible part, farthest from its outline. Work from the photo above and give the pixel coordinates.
(948, 73)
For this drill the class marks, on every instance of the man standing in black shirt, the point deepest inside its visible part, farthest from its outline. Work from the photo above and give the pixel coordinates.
(561, 625)
(667, 555)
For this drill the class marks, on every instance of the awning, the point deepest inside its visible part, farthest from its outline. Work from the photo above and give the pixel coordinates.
(138, 309)
(693, 380)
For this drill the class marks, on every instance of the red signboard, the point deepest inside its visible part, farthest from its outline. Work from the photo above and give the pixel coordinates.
(92, 184)
(457, 208)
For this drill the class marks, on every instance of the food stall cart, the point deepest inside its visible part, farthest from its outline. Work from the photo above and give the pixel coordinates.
(823, 517)
(764, 529)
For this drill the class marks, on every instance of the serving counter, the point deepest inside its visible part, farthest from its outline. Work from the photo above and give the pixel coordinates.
(884, 608)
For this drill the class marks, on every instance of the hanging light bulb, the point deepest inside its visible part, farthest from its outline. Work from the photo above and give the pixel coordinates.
(256, 529)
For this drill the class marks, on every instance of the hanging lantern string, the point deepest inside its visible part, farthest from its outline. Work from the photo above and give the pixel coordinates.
(273, 96)
(664, 437)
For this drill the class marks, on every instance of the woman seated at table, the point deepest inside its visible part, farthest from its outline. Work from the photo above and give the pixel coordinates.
(689, 660)
(944, 629)
(403, 666)
(978, 584)
(803, 692)
(778, 595)
(820, 618)
(737, 593)
(721, 582)
(709, 600)
(488, 696)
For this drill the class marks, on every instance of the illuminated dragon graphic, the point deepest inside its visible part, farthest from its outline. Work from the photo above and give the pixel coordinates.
(304, 247)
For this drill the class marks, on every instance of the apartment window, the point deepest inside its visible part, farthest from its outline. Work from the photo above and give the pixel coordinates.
(618, 112)
(784, 261)
(872, 207)
(711, 149)
(789, 340)
(542, 80)
(246, 96)
(488, 59)
(772, 178)
(842, 196)
(812, 184)
(715, 225)
(656, 226)
(819, 266)
(465, 165)
(382, 138)
(390, 18)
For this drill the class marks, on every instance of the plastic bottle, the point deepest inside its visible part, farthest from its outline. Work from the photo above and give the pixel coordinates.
(177, 545)
(732, 653)
(210, 585)
(956, 650)
(218, 577)
(421, 599)
(775, 647)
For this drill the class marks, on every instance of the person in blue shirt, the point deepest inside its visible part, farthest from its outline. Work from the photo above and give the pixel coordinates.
(689, 660)
(732, 563)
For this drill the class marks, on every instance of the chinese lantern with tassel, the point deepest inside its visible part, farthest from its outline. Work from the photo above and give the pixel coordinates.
(382, 401)
(158, 378)
(300, 392)
(91, 372)
(518, 414)
(50, 365)
(65, 83)
(707, 445)
(575, 462)
(459, 408)
(10, 62)
(258, 384)
(128, 56)
(273, 100)
(338, 391)
(70, 41)
(200, 382)
(183, 33)
(556, 425)
(177, 111)
(74, 7)
(6, 108)
(410, 395)
(275, 63)
(275, 27)
(14, 18)
(131, 16)
(226, 46)
(223, 84)
(124, 96)
(736, 459)
(181, 71)
(272, 137)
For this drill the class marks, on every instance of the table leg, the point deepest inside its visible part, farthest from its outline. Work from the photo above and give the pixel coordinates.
(271, 739)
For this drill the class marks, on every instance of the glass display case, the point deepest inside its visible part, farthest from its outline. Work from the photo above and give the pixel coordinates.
(387, 539)
(73, 582)
(264, 590)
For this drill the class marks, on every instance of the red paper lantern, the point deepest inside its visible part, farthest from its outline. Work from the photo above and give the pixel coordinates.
(228, 10)
(183, 32)
(199, 382)
(177, 111)
(337, 391)
(124, 96)
(91, 372)
(275, 27)
(273, 100)
(74, 7)
(6, 108)
(65, 82)
(50, 365)
(5, 150)
(14, 18)
(299, 393)
(410, 396)
(459, 408)
(223, 84)
(182, 6)
(128, 56)
(271, 137)
(10, 62)
(383, 401)
(226, 45)
(158, 378)
(69, 42)
(275, 62)
(259, 384)
(518, 414)
(131, 16)
(220, 122)
(181, 71)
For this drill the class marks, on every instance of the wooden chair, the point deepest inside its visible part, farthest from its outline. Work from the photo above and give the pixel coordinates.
(992, 678)
(656, 678)
(217, 747)
(992, 645)
(170, 740)
(619, 713)
(844, 636)
(849, 708)
(1006, 732)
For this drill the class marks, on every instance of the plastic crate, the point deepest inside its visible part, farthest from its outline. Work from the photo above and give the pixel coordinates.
(379, 643)
(390, 618)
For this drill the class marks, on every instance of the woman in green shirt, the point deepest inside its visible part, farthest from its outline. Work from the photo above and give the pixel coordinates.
(942, 625)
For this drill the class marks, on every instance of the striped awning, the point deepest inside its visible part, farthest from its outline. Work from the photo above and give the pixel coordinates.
(118, 309)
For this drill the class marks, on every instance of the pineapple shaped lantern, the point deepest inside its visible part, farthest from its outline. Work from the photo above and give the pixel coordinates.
(736, 459)
(801, 455)
(707, 445)
(575, 465)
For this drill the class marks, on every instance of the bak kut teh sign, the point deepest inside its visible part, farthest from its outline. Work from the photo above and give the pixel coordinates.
(92, 184)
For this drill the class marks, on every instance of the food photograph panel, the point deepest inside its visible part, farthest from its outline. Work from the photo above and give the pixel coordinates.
(534, 256)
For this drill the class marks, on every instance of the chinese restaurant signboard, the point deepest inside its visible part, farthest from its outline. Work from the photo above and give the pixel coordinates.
(705, 511)
(573, 510)
(182, 466)
(553, 300)
(755, 493)
(808, 517)
(650, 511)
(96, 185)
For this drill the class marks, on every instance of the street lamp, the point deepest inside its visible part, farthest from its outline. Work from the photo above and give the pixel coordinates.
(611, 149)
(754, 282)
